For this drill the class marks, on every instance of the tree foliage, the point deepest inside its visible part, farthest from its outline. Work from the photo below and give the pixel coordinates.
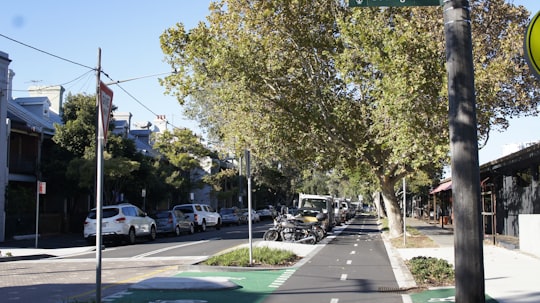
(315, 84)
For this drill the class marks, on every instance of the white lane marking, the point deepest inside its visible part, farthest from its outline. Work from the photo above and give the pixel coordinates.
(334, 300)
(353, 252)
(343, 277)
(167, 248)
(282, 278)
(355, 244)
(349, 262)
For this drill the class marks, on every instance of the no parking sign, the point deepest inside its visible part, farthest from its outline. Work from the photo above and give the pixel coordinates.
(532, 45)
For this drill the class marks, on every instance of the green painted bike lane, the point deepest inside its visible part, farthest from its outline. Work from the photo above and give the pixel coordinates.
(254, 287)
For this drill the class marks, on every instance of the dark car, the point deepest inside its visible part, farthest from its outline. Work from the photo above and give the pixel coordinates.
(230, 216)
(173, 221)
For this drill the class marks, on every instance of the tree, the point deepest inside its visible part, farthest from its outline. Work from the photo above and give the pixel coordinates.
(317, 84)
(183, 150)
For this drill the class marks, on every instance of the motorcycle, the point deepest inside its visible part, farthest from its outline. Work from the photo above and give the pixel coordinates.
(289, 229)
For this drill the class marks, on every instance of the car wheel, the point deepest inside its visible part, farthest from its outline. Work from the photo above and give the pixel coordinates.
(177, 231)
(153, 233)
(202, 228)
(271, 235)
(191, 229)
(131, 236)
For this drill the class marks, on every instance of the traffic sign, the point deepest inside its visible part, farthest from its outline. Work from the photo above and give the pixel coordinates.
(371, 3)
(532, 45)
(106, 96)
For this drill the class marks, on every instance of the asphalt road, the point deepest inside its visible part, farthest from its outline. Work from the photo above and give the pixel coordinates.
(354, 267)
(73, 278)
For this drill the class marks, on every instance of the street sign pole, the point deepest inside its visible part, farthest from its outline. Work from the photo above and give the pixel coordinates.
(99, 180)
(468, 242)
(468, 235)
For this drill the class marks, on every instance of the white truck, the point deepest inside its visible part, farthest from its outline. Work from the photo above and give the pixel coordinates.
(321, 203)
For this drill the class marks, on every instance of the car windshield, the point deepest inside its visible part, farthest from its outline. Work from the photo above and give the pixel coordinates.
(186, 209)
(314, 203)
(161, 215)
(107, 213)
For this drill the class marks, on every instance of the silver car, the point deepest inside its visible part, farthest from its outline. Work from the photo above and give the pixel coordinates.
(173, 222)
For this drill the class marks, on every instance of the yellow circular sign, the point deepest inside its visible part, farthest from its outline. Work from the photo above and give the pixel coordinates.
(532, 45)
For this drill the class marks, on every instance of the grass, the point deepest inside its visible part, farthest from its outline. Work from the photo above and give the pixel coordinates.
(262, 256)
(413, 238)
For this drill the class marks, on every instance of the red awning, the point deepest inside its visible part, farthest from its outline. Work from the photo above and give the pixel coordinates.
(442, 187)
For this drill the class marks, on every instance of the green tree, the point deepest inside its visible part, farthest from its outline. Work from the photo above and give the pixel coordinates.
(318, 84)
(183, 150)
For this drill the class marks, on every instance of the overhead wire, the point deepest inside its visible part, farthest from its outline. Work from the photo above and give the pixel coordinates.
(94, 69)
(42, 51)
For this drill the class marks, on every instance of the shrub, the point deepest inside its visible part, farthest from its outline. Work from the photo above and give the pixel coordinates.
(261, 256)
(429, 271)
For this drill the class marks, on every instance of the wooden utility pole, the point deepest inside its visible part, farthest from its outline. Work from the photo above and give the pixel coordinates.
(468, 242)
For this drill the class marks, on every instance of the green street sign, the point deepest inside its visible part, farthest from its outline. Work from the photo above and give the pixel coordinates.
(371, 3)
(532, 45)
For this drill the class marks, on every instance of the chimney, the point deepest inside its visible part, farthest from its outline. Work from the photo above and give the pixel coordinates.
(54, 93)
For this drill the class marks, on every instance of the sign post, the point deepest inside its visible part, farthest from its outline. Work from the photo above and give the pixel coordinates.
(104, 104)
(468, 236)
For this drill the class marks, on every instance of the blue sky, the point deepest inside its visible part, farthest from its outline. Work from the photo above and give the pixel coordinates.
(128, 34)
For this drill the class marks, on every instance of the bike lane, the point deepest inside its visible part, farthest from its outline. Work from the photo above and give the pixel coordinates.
(253, 287)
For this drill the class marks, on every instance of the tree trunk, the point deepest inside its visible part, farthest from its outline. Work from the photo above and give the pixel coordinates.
(395, 220)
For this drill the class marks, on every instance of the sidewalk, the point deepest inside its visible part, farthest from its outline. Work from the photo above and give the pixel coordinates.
(511, 276)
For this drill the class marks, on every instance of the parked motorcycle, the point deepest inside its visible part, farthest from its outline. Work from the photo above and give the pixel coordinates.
(289, 229)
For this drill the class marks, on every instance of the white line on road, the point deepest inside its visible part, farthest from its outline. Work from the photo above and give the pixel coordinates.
(353, 252)
(349, 262)
(334, 300)
(343, 277)
(167, 248)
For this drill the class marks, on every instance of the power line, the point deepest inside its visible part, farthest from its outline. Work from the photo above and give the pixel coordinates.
(47, 53)
(93, 69)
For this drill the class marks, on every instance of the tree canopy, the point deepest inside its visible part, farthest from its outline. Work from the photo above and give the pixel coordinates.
(316, 84)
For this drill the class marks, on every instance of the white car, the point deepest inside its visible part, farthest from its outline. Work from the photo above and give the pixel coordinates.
(254, 215)
(202, 215)
(122, 222)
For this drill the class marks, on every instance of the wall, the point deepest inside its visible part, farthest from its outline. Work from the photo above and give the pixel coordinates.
(529, 234)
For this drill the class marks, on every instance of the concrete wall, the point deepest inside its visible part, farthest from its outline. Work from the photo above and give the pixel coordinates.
(529, 234)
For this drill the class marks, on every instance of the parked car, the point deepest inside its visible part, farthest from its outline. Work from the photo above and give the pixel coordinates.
(230, 216)
(254, 216)
(122, 222)
(201, 215)
(173, 221)
(265, 214)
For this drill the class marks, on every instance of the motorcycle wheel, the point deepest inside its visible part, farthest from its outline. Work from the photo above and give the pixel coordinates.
(271, 235)
(319, 232)
(312, 240)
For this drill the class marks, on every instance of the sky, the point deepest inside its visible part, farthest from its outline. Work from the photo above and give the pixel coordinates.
(127, 32)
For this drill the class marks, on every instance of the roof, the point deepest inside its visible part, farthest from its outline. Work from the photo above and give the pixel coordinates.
(43, 124)
(442, 187)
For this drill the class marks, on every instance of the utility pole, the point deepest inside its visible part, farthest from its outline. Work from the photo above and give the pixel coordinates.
(468, 242)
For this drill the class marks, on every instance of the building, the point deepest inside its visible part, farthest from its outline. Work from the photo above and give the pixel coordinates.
(510, 189)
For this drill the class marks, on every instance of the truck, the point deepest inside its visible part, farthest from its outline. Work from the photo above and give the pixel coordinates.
(318, 203)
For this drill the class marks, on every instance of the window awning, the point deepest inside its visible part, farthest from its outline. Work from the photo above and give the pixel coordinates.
(442, 187)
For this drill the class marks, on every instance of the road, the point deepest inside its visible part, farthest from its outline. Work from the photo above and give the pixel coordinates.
(353, 267)
(73, 278)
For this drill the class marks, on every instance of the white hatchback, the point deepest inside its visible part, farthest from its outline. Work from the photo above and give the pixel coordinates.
(122, 222)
